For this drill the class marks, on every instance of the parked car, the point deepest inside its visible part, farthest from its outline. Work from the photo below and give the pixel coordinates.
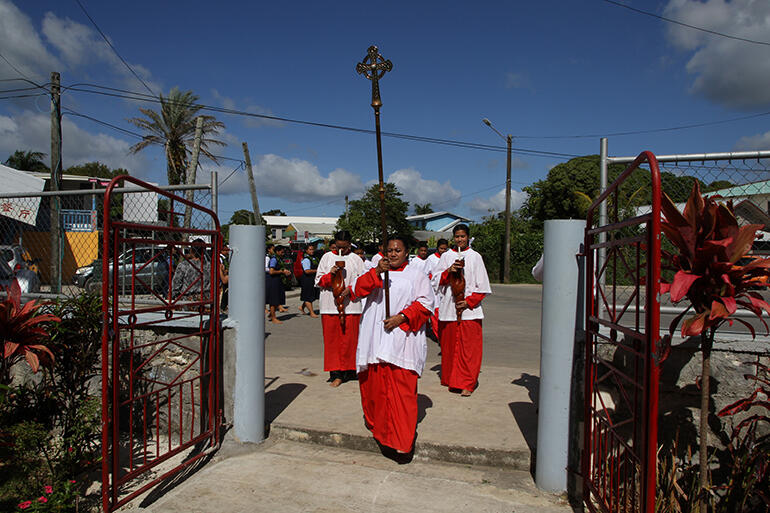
(16, 264)
(151, 266)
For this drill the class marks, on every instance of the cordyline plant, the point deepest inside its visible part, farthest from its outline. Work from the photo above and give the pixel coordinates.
(710, 244)
(21, 331)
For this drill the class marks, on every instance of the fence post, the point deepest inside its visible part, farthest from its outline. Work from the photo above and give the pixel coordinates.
(560, 303)
(247, 304)
(602, 256)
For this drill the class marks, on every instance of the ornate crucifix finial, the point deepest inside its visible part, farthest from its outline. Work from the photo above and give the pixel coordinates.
(373, 67)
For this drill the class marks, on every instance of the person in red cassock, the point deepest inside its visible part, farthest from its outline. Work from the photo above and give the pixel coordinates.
(461, 339)
(340, 333)
(391, 351)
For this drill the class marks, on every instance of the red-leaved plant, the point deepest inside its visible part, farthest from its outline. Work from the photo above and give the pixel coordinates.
(710, 245)
(748, 485)
(21, 331)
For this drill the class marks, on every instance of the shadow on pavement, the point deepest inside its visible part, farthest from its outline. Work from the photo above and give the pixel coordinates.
(525, 414)
(279, 399)
(423, 403)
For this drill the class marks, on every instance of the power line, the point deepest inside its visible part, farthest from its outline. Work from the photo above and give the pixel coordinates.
(112, 47)
(448, 142)
(131, 95)
(676, 22)
(22, 96)
(129, 132)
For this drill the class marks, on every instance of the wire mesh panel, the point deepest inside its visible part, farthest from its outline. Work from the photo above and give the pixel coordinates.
(159, 276)
(742, 178)
(622, 330)
(29, 247)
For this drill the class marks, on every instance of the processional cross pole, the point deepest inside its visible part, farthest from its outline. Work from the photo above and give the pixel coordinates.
(374, 67)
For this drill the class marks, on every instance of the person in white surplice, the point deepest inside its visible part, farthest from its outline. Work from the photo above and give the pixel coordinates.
(391, 351)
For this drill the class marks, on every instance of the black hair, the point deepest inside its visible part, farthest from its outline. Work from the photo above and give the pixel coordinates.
(343, 235)
(405, 239)
(442, 241)
(422, 244)
(197, 247)
(269, 245)
(463, 227)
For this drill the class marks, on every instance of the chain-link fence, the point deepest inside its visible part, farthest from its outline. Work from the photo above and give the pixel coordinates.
(67, 259)
(742, 178)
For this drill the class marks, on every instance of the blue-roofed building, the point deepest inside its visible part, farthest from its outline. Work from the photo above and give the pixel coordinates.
(436, 221)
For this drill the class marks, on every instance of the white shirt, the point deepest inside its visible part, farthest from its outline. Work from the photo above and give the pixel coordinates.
(476, 281)
(422, 265)
(407, 350)
(354, 267)
(376, 258)
(267, 263)
(433, 260)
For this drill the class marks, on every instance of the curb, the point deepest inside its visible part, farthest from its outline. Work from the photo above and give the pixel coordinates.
(515, 460)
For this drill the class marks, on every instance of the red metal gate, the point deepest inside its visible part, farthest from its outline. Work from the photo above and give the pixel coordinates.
(622, 334)
(160, 338)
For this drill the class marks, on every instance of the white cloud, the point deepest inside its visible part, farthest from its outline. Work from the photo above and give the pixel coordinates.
(728, 72)
(496, 203)
(416, 189)
(32, 131)
(294, 180)
(22, 46)
(753, 142)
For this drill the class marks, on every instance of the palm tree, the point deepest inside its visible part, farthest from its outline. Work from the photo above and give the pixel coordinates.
(423, 209)
(27, 161)
(174, 129)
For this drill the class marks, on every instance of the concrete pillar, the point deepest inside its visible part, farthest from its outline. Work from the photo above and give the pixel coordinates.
(563, 239)
(247, 307)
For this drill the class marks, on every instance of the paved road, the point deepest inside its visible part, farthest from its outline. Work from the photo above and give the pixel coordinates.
(511, 329)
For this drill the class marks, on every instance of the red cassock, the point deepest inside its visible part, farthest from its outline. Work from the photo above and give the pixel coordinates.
(390, 362)
(339, 346)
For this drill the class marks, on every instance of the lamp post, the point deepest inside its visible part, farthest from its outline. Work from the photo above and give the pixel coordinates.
(507, 238)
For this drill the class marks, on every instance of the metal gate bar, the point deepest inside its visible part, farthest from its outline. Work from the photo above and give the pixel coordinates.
(132, 393)
(620, 438)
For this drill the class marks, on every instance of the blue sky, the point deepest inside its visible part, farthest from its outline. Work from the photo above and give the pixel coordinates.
(536, 69)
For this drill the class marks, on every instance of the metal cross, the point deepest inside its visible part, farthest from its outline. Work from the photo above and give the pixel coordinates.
(373, 67)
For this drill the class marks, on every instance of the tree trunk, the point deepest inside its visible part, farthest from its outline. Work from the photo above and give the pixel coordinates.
(707, 340)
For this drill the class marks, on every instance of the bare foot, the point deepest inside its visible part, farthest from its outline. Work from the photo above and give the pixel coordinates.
(276, 321)
(282, 309)
(313, 315)
(466, 393)
(337, 382)
(401, 452)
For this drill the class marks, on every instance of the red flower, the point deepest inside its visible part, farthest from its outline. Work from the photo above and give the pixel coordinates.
(72, 481)
(42, 499)
(49, 489)
(25, 504)
(69, 449)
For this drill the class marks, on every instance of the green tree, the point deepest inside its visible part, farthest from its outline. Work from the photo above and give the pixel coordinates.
(27, 161)
(363, 220)
(95, 169)
(570, 188)
(423, 209)
(526, 246)
(274, 212)
(173, 128)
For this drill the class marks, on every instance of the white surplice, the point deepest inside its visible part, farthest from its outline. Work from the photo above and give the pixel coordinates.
(354, 267)
(406, 349)
(476, 281)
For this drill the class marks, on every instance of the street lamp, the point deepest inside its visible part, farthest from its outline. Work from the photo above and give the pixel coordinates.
(507, 238)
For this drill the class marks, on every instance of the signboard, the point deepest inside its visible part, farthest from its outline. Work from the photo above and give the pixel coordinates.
(20, 209)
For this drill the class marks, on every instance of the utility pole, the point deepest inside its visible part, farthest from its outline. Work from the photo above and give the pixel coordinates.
(507, 236)
(346, 207)
(507, 255)
(252, 187)
(56, 172)
(192, 170)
